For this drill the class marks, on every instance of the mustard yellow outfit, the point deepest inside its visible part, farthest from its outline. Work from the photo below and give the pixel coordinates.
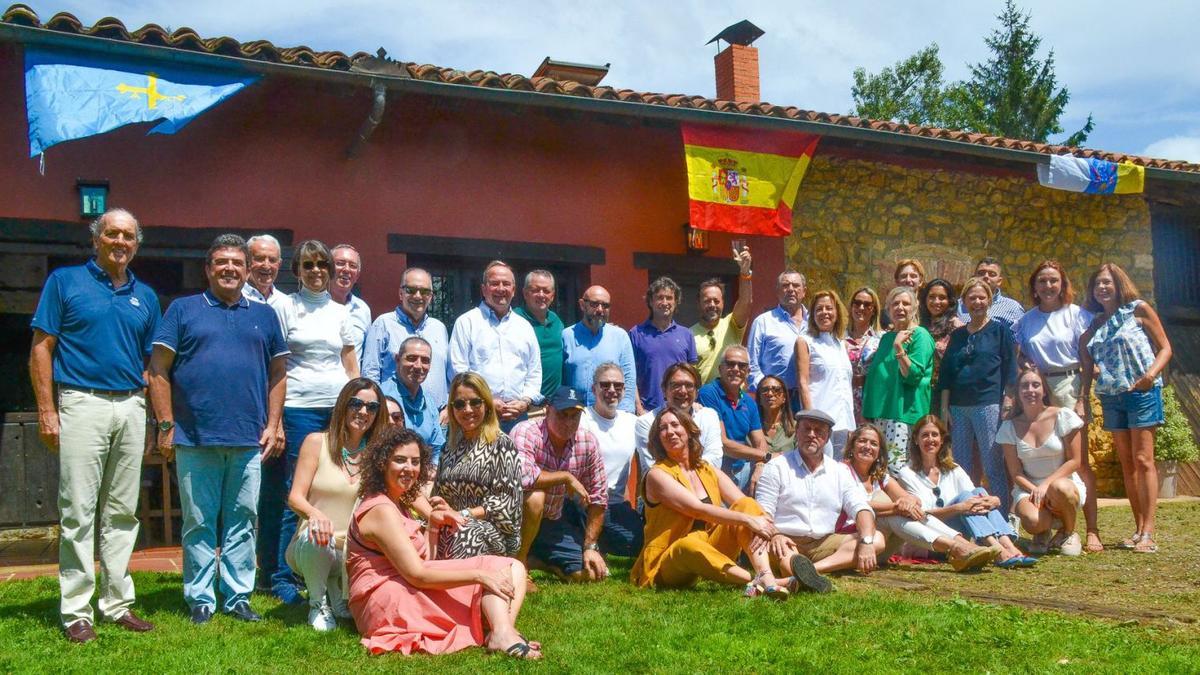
(676, 554)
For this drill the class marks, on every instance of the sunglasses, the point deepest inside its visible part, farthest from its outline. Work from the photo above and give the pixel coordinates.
(741, 365)
(712, 340)
(355, 404)
(770, 390)
(462, 403)
(861, 304)
(615, 386)
(937, 492)
(397, 417)
(310, 265)
(423, 292)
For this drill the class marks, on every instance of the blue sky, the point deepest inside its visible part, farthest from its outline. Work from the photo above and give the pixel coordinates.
(1133, 66)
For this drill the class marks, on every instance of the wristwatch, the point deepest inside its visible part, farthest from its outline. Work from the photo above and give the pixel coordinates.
(869, 540)
(165, 425)
(767, 457)
(466, 513)
(591, 547)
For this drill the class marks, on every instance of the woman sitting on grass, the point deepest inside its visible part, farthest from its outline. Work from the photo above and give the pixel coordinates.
(899, 512)
(946, 492)
(1042, 446)
(401, 600)
(690, 533)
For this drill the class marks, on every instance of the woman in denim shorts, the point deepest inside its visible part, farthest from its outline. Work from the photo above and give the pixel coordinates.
(1128, 349)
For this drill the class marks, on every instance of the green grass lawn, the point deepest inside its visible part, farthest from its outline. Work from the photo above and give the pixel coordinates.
(870, 625)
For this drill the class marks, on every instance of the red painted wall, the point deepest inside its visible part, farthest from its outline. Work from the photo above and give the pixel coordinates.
(273, 156)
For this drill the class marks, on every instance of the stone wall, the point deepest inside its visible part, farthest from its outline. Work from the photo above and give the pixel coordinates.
(855, 218)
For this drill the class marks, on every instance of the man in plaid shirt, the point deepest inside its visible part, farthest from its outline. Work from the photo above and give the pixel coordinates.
(566, 491)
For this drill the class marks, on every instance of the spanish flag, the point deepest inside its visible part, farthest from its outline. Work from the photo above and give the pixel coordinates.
(744, 180)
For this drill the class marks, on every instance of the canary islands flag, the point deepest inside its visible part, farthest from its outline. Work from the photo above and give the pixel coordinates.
(744, 180)
(71, 95)
(1091, 175)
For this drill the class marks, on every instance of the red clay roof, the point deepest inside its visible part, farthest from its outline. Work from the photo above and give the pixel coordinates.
(262, 50)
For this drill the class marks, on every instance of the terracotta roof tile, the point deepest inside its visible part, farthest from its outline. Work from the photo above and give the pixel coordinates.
(262, 50)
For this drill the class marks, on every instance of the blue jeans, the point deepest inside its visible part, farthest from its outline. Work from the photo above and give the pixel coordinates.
(976, 426)
(990, 524)
(298, 423)
(623, 530)
(740, 470)
(218, 483)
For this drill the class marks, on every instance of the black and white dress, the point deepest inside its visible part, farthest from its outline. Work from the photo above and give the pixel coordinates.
(475, 473)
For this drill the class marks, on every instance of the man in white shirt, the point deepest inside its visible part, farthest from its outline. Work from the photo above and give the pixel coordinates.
(495, 342)
(615, 431)
(347, 266)
(679, 384)
(266, 256)
(804, 491)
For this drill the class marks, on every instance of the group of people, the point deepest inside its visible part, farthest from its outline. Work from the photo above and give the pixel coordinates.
(389, 471)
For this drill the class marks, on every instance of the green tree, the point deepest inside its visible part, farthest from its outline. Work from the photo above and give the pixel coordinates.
(911, 91)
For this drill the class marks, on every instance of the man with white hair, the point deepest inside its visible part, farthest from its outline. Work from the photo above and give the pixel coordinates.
(266, 256)
(347, 266)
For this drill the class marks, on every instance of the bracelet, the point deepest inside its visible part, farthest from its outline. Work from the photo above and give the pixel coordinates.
(749, 275)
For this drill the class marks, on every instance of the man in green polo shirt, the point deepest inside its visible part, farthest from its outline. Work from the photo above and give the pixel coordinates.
(539, 296)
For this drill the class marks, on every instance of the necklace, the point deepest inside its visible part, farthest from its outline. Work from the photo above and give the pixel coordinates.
(350, 460)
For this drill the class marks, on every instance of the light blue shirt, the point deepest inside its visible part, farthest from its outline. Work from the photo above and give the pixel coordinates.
(772, 346)
(420, 415)
(504, 350)
(584, 351)
(383, 340)
(360, 321)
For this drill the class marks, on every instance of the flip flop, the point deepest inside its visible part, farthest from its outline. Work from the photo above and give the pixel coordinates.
(1098, 547)
(518, 650)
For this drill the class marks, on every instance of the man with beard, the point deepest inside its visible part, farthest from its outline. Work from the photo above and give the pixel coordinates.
(679, 385)
(593, 341)
(713, 332)
(265, 259)
(347, 266)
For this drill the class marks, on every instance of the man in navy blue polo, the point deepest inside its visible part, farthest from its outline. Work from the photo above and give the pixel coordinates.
(92, 331)
(217, 381)
(742, 439)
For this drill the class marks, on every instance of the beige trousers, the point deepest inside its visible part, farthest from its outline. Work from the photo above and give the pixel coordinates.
(101, 443)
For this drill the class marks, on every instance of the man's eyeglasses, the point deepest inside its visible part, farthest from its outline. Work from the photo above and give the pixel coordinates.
(462, 403)
(740, 365)
(615, 386)
(937, 492)
(397, 418)
(597, 304)
(310, 265)
(355, 404)
(685, 386)
(423, 292)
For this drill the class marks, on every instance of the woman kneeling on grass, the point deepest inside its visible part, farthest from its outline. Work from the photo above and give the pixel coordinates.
(690, 533)
(946, 492)
(1046, 486)
(403, 601)
(899, 512)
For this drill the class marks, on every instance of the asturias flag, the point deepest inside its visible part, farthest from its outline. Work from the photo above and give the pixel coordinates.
(1091, 175)
(71, 95)
(744, 180)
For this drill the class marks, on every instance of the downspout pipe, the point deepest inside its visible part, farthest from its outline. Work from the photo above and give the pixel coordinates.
(378, 103)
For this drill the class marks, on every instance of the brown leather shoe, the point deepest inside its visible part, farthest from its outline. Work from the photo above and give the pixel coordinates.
(80, 632)
(131, 621)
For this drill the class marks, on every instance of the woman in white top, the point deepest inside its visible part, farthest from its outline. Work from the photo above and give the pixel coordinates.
(946, 492)
(324, 491)
(1048, 337)
(899, 512)
(1043, 474)
(321, 339)
(824, 374)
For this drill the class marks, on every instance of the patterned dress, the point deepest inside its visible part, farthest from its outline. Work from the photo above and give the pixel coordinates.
(860, 351)
(475, 473)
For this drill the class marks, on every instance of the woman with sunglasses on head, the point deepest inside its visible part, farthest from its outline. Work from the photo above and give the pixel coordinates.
(1125, 352)
(862, 339)
(477, 493)
(937, 302)
(1048, 337)
(324, 489)
(823, 369)
(320, 336)
(947, 493)
(899, 512)
(778, 425)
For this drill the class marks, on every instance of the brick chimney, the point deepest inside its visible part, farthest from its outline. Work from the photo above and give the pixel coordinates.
(737, 74)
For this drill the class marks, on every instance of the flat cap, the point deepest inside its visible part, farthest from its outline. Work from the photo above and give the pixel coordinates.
(816, 416)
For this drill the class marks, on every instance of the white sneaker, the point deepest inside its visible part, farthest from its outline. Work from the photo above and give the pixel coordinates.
(321, 618)
(1072, 546)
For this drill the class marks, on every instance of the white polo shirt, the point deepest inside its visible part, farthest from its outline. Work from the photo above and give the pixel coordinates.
(807, 503)
(710, 436)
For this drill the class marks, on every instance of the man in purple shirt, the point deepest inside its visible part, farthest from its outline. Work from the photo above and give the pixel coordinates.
(659, 342)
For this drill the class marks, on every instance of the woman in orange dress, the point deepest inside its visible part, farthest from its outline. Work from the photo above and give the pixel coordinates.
(401, 600)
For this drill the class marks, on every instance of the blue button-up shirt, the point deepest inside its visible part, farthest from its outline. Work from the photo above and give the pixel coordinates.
(772, 346)
(420, 414)
(584, 351)
(504, 350)
(386, 335)
(104, 333)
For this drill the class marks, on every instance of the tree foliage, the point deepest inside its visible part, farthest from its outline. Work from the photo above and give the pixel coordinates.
(1013, 93)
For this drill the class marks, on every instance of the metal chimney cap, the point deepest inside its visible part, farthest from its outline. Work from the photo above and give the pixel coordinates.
(740, 33)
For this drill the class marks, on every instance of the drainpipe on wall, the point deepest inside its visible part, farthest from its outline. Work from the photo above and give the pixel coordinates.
(372, 121)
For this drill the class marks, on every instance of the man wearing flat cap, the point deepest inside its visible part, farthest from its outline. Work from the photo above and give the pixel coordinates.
(566, 491)
(804, 491)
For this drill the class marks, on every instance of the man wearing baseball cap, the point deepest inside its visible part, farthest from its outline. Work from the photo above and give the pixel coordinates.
(566, 491)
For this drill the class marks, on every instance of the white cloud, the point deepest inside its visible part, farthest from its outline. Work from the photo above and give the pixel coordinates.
(1175, 147)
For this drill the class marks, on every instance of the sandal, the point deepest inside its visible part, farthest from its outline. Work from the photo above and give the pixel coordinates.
(1131, 542)
(756, 588)
(1146, 545)
(519, 650)
(1094, 545)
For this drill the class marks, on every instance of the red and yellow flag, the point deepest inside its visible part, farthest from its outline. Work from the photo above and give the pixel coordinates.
(744, 180)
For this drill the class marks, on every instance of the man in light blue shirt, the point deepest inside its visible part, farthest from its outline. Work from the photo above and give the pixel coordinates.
(1003, 307)
(420, 414)
(772, 340)
(410, 318)
(495, 342)
(593, 341)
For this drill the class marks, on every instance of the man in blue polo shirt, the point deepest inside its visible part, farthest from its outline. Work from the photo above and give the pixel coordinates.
(413, 362)
(217, 380)
(742, 439)
(92, 331)
(659, 342)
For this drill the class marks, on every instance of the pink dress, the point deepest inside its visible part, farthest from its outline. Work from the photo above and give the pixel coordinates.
(395, 616)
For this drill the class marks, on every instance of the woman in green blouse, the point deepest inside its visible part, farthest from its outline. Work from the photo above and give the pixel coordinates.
(897, 392)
